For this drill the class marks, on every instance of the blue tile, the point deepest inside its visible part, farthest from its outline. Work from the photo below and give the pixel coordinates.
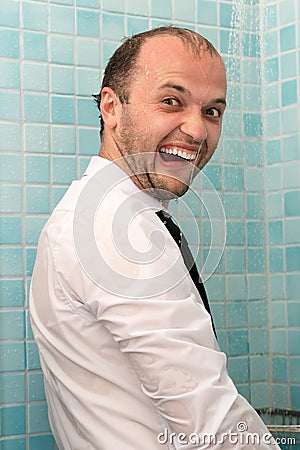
(271, 15)
(9, 13)
(280, 396)
(34, 226)
(292, 227)
(255, 206)
(35, 77)
(294, 314)
(36, 391)
(10, 137)
(238, 369)
(58, 193)
(108, 48)
(37, 199)
(274, 205)
(9, 74)
(272, 97)
(277, 286)
(12, 357)
(87, 23)
(293, 258)
(12, 325)
(288, 38)
(272, 70)
(13, 420)
(233, 205)
(63, 169)
(35, 46)
(235, 233)
(250, 73)
(113, 5)
(290, 120)
(113, 26)
(233, 68)
(232, 124)
(293, 341)
(238, 342)
(83, 163)
(256, 260)
(11, 261)
(288, 65)
(292, 203)
(88, 3)
(161, 9)
(234, 178)
(291, 148)
(136, 25)
(289, 92)
(12, 293)
(276, 263)
(272, 123)
(291, 174)
(37, 168)
(30, 255)
(62, 50)
(184, 12)
(63, 140)
(232, 151)
(12, 388)
(251, 45)
(62, 80)
(236, 315)
(234, 97)
(11, 198)
(35, 16)
(10, 168)
(45, 442)
(255, 233)
(259, 340)
(258, 313)
(270, 43)
(36, 107)
(137, 7)
(253, 125)
(293, 283)
(259, 368)
(32, 356)
(88, 52)
(294, 369)
(9, 43)
(216, 288)
(88, 113)
(273, 151)
(235, 260)
(260, 395)
(257, 286)
(37, 138)
(87, 81)
(38, 418)
(218, 314)
(13, 444)
(235, 287)
(278, 314)
(254, 152)
(226, 15)
(251, 98)
(279, 341)
(10, 106)
(89, 141)
(62, 109)
(275, 232)
(61, 19)
(295, 397)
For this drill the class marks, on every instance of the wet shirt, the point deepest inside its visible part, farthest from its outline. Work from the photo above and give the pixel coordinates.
(127, 349)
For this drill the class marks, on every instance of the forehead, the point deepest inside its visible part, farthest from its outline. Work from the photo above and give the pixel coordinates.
(167, 57)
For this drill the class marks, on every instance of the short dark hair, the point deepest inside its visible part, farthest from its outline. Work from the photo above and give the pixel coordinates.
(120, 68)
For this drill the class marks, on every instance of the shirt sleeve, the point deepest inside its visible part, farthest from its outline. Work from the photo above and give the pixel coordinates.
(147, 301)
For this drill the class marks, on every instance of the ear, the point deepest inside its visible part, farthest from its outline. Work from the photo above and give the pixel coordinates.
(109, 107)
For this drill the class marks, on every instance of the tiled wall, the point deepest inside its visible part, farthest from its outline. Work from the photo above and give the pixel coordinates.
(51, 57)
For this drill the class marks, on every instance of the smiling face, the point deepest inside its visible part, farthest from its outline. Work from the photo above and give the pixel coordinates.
(173, 117)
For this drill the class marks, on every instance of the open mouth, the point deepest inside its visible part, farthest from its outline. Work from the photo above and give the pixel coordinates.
(173, 154)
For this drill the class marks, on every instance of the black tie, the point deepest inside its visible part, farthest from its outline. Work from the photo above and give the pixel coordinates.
(181, 241)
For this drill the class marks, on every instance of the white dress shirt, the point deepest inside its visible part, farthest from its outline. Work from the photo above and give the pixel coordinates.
(127, 349)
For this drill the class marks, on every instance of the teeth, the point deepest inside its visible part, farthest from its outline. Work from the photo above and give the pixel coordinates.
(180, 153)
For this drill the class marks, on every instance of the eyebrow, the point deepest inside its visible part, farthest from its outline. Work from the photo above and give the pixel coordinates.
(186, 91)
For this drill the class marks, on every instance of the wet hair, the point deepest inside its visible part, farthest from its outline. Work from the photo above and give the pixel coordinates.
(122, 64)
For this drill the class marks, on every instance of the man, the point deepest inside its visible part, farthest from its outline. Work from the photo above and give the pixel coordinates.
(127, 348)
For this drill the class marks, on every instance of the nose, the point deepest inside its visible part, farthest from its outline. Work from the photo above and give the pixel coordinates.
(194, 126)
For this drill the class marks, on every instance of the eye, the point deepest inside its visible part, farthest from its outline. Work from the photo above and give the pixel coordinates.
(214, 112)
(171, 101)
